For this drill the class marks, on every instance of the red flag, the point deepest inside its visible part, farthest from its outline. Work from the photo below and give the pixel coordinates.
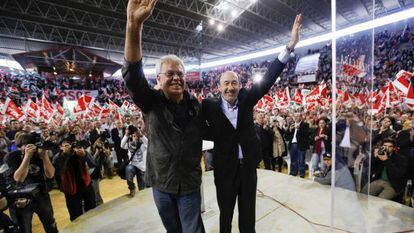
(410, 95)
(84, 102)
(59, 109)
(125, 105)
(12, 110)
(350, 70)
(297, 98)
(313, 95)
(31, 109)
(104, 113)
(96, 108)
(402, 81)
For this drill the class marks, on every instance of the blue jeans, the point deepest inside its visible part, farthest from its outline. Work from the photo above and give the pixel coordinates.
(316, 159)
(130, 172)
(297, 160)
(179, 213)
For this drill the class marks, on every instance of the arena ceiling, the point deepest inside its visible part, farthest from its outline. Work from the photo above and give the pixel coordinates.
(182, 27)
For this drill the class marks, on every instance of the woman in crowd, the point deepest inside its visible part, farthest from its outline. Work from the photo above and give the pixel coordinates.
(321, 144)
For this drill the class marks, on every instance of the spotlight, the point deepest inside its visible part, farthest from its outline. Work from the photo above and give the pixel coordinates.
(211, 21)
(90, 75)
(55, 73)
(220, 27)
(257, 78)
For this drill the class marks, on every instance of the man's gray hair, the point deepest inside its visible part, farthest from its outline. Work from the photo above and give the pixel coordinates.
(168, 58)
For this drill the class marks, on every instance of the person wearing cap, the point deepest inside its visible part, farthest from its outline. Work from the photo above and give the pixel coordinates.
(343, 177)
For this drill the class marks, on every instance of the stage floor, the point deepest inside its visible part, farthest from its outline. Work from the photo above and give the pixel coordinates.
(284, 204)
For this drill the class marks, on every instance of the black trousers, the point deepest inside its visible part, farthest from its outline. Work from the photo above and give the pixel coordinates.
(42, 206)
(74, 202)
(270, 163)
(121, 155)
(242, 186)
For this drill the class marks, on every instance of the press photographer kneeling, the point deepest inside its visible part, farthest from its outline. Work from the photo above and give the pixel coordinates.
(30, 166)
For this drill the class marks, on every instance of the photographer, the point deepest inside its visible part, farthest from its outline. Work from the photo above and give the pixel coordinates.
(388, 176)
(71, 166)
(136, 144)
(101, 153)
(29, 165)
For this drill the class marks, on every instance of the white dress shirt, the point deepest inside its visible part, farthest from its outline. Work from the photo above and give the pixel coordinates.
(232, 112)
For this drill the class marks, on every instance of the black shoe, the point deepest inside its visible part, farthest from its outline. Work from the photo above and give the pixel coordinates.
(132, 193)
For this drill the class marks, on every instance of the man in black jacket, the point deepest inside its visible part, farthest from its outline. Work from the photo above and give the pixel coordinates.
(298, 137)
(388, 176)
(266, 142)
(236, 145)
(117, 134)
(172, 120)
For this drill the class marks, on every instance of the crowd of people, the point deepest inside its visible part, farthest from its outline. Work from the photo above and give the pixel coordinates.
(75, 156)
(78, 154)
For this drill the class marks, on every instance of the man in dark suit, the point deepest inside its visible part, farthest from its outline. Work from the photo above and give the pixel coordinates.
(266, 141)
(117, 134)
(236, 146)
(298, 137)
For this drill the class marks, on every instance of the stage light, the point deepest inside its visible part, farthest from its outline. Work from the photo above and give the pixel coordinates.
(220, 27)
(199, 27)
(211, 21)
(257, 78)
(55, 73)
(90, 75)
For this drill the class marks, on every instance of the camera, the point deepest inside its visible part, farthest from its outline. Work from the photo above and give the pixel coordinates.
(13, 191)
(80, 144)
(382, 150)
(104, 135)
(36, 139)
(132, 129)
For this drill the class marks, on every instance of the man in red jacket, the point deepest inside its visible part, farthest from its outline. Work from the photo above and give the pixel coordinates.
(73, 177)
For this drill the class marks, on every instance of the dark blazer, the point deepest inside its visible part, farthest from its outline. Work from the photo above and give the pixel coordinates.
(116, 138)
(302, 136)
(406, 146)
(266, 140)
(226, 138)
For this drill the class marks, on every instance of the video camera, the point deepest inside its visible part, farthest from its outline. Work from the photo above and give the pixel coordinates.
(13, 191)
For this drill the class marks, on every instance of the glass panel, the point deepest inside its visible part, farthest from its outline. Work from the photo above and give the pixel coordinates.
(372, 118)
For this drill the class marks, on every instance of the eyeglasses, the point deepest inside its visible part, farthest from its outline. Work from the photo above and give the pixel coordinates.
(171, 74)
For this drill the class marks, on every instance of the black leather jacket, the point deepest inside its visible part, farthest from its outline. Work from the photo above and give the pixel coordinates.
(174, 135)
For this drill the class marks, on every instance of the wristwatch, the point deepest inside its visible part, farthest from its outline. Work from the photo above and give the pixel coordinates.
(289, 49)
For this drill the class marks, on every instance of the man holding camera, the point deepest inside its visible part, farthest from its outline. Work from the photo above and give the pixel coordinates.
(31, 165)
(136, 144)
(388, 173)
(72, 167)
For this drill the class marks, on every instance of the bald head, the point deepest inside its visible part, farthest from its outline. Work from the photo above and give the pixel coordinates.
(229, 86)
(229, 75)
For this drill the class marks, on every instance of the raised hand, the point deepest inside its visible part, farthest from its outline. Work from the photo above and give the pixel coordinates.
(139, 10)
(297, 25)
